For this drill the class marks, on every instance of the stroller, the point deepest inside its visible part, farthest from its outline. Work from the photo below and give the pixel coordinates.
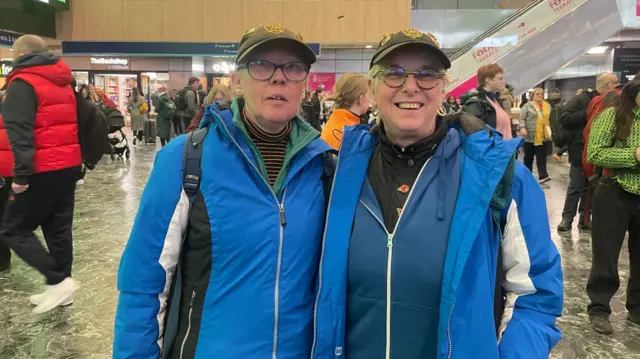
(117, 138)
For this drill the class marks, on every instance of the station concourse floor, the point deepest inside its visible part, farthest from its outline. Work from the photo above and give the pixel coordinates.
(105, 209)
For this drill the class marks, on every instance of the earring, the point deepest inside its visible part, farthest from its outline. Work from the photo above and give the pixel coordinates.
(442, 111)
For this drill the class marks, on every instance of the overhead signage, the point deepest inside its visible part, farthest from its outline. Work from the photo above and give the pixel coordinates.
(156, 48)
(61, 4)
(7, 38)
(626, 62)
(109, 63)
(463, 69)
(5, 68)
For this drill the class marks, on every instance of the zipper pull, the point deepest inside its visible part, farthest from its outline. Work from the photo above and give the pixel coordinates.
(390, 241)
(193, 297)
(283, 220)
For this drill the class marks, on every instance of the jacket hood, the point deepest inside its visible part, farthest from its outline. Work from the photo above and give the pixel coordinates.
(44, 64)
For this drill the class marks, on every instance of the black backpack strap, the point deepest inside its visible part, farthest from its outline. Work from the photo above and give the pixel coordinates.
(499, 202)
(191, 170)
(328, 170)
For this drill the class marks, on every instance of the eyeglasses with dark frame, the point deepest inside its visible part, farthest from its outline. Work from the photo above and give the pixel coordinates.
(262, 70)
(396, 77)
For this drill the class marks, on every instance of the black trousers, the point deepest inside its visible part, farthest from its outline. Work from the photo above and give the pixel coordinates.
(540, 153)
(47, 203)
(177, 125)
(5, 252)
(185, 122)
(576, 195)
(615, 212)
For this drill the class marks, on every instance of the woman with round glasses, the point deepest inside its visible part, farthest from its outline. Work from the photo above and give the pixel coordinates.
(431, 224)
(222, 258)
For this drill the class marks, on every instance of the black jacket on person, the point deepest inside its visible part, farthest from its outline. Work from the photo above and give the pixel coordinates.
(311, 113)
(478, 105)
(574, 119)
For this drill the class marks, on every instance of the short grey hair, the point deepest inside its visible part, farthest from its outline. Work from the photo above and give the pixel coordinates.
(372, 75)
(30, 44)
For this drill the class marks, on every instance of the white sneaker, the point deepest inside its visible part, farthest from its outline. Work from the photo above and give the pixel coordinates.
(55, 295)
(80, 182)
(36, 299)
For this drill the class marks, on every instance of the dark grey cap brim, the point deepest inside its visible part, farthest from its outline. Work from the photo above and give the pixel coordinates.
(439, 54)
(308, 56)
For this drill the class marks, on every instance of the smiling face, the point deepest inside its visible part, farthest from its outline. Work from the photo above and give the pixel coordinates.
(274, 102)
(409, 112)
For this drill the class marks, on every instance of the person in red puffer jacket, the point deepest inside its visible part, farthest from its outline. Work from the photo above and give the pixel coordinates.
(5, 184)
(40, 123)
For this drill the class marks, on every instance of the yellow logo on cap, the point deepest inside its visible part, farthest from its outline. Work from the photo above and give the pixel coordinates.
(385, 39)
(299, 37)
(251, 30)
(433, 38)
(413, 33)
(274, 29)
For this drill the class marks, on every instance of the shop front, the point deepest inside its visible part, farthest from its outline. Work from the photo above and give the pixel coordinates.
(117, 76)
(219, 71)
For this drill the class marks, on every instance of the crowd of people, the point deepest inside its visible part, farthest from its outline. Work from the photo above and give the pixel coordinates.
(396, 223)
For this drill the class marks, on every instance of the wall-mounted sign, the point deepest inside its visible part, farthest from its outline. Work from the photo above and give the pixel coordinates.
(223, 67)
(5, 68)
(109, 63)
(324, 80)
(626, 62)
(7, 38)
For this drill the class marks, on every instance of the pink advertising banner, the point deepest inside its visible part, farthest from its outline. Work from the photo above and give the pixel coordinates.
(638, 8)
(328, 80)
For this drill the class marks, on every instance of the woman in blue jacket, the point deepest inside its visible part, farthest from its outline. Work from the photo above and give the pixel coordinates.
(420, 209)
(224, 249)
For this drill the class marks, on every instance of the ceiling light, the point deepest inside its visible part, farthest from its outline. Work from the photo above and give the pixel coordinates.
(598, 50)
(369, 46)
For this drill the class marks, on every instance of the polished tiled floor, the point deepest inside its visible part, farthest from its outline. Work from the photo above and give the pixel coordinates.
(106, 206)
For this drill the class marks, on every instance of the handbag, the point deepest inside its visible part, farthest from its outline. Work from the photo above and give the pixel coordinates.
(547, 129)
(144, 108)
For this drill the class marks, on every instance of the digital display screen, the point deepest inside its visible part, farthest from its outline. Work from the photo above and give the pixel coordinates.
(59, 4)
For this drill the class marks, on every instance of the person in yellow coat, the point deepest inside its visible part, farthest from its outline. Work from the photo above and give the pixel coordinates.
(352, 100)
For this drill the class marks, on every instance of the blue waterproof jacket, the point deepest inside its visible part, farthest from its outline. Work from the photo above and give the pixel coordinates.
(531, 262)
(264, 251)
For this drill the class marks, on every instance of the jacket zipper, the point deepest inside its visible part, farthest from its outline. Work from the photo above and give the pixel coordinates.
(390, 258)
(324, 237)
(276, 294)
(186, 336)
(283, 222)
(449, 328)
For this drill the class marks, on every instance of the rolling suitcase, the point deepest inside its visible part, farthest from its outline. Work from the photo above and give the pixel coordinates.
(150, 131)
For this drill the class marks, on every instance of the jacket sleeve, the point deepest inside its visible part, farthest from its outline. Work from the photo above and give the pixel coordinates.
(19, 112)
(524, 113)
(150, 258)
(533, 275)
(600, 150)
(574, 113)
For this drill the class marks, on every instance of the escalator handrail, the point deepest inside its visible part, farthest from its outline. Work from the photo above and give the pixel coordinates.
(495, 28)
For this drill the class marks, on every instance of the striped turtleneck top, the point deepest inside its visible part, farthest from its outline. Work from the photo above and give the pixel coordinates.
(272, 147)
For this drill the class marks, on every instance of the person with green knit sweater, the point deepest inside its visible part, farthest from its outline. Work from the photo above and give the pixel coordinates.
(614, 143)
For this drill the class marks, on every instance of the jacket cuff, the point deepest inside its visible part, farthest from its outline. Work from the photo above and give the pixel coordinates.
(21, 180)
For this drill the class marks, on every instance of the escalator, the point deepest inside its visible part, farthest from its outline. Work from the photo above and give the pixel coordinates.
(536, 41)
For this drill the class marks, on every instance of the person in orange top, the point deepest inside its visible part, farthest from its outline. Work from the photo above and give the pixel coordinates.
(352, 100)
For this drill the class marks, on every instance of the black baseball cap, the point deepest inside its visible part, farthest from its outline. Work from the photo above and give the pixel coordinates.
(257, 37)
(394, 41)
